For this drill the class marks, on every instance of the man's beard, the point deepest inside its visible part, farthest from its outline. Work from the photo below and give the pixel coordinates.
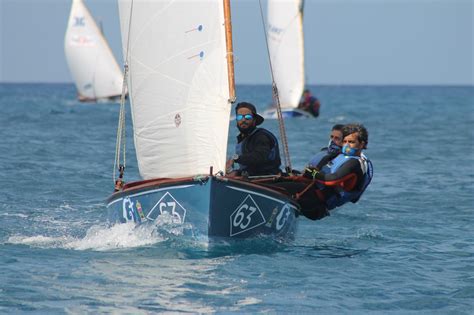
(247, 130)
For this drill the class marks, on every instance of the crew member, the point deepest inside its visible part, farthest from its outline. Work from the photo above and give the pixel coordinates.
(346, 178)
(309, 103)
(257, 152)
(328, 153)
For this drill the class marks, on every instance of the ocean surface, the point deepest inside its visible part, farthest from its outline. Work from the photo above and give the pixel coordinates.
(406, 247)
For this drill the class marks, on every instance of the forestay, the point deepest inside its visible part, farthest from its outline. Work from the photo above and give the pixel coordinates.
(178, 85)
(91, 62)
(285, 42)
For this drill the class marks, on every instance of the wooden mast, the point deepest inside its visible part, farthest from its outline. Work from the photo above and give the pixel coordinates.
(230, 51)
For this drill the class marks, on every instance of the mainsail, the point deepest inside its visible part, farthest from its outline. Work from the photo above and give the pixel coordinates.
(178, 85)
(91, 62)
(286, 45)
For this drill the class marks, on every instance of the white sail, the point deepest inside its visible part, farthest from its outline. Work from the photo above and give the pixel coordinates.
(178, 85)
(286, 45)
(91, 61)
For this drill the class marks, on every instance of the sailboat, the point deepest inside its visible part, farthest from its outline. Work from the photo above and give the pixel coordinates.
(94, 69)
(286, 48)
(181, 88)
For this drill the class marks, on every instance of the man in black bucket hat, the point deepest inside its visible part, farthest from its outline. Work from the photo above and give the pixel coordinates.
(256, 151)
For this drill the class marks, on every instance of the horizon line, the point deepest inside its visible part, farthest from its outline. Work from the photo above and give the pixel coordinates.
(311, 84)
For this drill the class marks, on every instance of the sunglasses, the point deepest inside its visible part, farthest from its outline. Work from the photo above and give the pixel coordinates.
(239, 117)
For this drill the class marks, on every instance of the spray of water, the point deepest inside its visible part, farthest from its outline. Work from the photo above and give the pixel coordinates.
(102, 238)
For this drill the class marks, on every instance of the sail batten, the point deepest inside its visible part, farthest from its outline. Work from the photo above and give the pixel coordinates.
(178, 85)
(286, 45)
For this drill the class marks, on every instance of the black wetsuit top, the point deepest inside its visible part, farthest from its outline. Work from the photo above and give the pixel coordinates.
(259, 154)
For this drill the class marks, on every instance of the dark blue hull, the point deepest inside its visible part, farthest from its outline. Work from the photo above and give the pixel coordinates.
(217, 207)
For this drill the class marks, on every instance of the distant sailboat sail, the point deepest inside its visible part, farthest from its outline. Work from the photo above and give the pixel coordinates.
(286, 45)
(178, 84)
(91, 62)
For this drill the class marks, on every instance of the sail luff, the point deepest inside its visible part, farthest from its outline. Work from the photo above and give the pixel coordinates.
(302, 56)
(230, 50)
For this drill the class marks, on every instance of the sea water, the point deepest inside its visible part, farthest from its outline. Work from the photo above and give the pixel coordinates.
(405, 247)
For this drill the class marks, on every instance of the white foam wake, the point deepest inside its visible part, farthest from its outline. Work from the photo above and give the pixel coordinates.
(118, 236)
(97, 237)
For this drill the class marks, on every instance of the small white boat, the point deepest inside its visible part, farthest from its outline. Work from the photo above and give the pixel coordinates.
(286, 48)
(272, 113)
(93, 67)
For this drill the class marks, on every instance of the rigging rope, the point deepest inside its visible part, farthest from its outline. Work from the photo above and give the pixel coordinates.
(276, 99)
(121, 140)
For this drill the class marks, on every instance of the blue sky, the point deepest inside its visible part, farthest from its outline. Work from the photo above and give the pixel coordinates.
(346, 41)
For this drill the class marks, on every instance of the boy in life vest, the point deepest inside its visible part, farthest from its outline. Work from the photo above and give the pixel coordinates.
(344, 179)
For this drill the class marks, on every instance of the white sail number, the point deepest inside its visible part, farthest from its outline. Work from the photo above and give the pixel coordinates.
(169, 207)
(283, 217)
(127, 210)
(243, 217)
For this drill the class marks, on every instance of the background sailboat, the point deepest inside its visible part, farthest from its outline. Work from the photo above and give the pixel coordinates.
(286, 48)
(92, 64)
(181, 88)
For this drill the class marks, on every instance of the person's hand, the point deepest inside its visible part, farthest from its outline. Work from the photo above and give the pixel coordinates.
(295, 173)
(229, 166)
(232, 174)
(310, 172)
